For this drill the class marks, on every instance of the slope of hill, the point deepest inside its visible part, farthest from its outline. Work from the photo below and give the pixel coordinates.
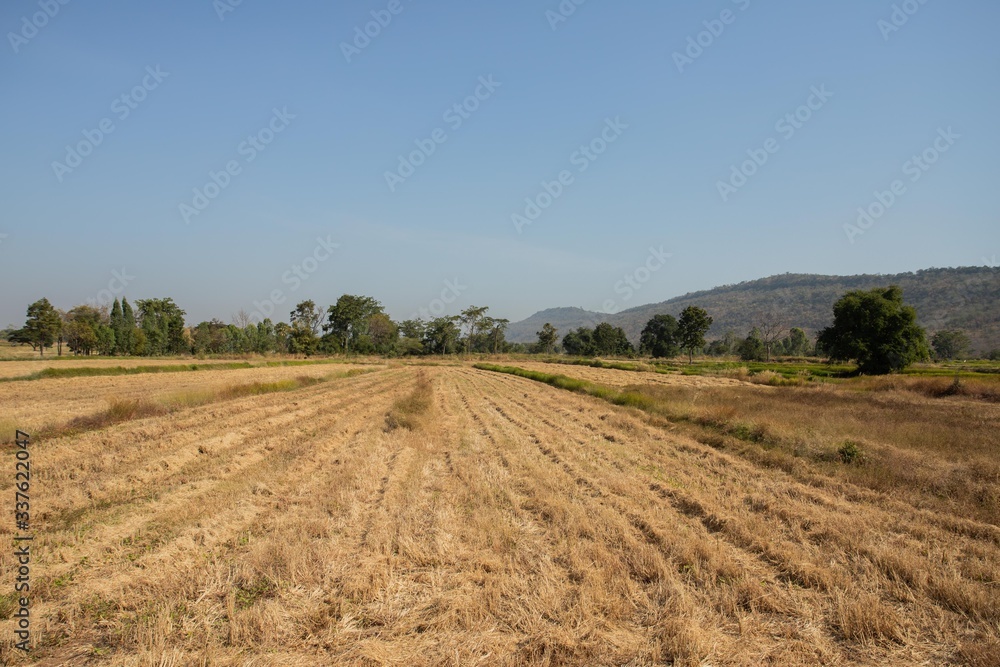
(962, 298)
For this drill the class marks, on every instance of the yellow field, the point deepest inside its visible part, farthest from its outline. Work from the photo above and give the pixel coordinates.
(443, 515)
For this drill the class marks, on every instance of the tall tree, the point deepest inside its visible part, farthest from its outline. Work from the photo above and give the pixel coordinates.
(305, 321)
(42, 326)
(611, 341)
(441, 335)
(771, 328)
(752, 347)
(797, 343)
(472, 318)
(495, 329)
(950, 344)
(81, 326)
(383, 333)
(691, 329)
(659, 337)
(162, 322)
(117, 323)
(348, 318)
(579, 343)
(875, 329)
(129, 340)
(547, 338)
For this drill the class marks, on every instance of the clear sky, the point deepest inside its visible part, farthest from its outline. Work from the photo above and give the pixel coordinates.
(309, 117)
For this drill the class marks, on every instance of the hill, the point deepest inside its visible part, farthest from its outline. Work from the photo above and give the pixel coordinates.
(965, 298)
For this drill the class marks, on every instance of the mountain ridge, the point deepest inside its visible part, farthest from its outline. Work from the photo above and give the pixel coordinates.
(965, 298)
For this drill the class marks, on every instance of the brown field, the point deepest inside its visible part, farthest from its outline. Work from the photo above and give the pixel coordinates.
(617, 378)
(422, 515)
(35, 405)
(22, 367)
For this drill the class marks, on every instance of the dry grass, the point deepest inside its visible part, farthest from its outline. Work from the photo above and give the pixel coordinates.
(413, 411)
(936, 387)
(518, 524)
(885, 434)
(45, 404)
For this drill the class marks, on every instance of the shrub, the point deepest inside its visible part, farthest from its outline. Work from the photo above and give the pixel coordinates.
(849, 452)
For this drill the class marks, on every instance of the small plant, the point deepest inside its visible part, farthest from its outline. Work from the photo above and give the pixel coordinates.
(849, 452)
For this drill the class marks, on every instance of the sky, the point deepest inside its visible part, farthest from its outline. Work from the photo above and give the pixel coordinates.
(519, 155)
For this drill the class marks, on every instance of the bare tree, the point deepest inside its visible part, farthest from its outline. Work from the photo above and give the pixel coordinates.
(241, 319)
(772, 329)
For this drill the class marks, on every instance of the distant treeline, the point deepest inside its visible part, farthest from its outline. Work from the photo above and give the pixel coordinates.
(359, 325)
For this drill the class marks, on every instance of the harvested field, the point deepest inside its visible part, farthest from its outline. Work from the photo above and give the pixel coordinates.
(33, 406)
(22, 367)
(454, 516)
(618, 378)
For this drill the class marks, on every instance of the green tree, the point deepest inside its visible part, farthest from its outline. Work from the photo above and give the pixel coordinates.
(348, 319)
(495, 329)
(796, 344)
(117, 323)
(692, 326)
(611, 341)
(81, 329)
(412, 334)
(547, 338)
(659, 337)
(383, 333)
(472, 319)
(305, 319)
(752, 347)
(875, 329)
(579, 343)
(441, 335)
(42, 326)
(128, 342)
(105, 339)
(951, 344)
(282, 337)
(266, 339)
(162, 322)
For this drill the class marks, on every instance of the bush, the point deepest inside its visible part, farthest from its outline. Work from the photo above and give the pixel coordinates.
(849, 452)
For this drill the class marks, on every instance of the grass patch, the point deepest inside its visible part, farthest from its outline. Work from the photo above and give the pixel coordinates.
(412, 411)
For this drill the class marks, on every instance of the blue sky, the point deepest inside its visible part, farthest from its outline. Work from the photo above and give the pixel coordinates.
(554, 86)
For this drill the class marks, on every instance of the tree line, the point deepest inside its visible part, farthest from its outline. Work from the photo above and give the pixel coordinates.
(873, 328)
